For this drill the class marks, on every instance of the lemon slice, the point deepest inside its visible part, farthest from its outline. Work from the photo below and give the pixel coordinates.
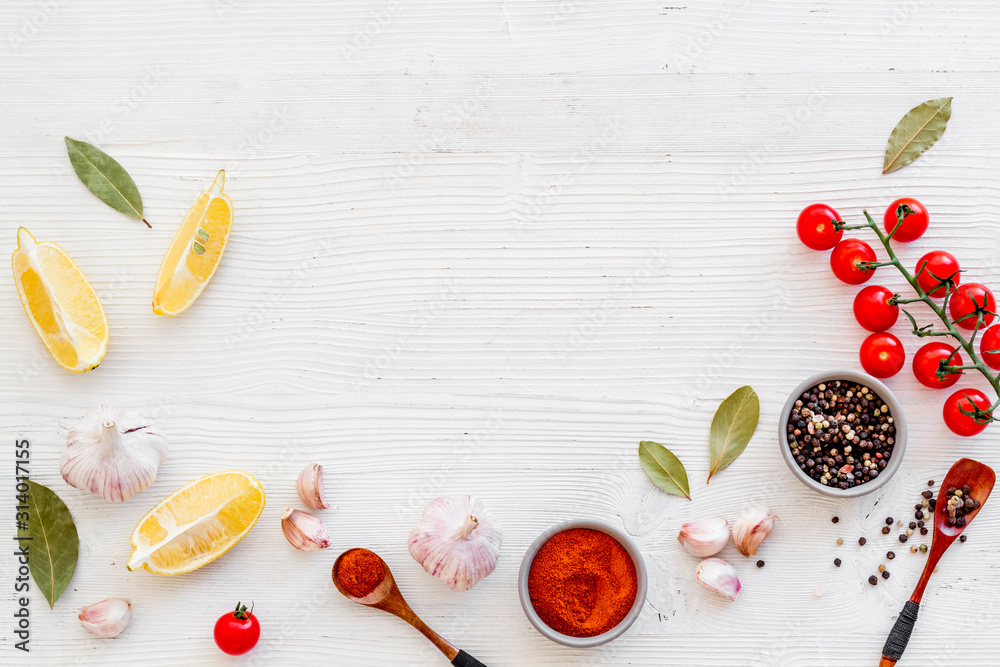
(195, 251)
(61, 304)
(197, 523)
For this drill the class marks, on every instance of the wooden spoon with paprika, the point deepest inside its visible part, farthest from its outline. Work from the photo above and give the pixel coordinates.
(980, 479)
(362, 576)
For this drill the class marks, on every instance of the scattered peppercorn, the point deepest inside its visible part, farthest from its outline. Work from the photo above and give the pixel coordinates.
(836, 562)
(888, 521)
(890, 555)
(913, 549)
(873, 580)
(930, 482)
(924, 531)
(835, 519)
(928, 494)
(885, 530)
(840, 540)
(923, 548)
(862, 541)
(903, 537)
(885, 575)
(963, 538)
(760, 563)
(881, 568)
(913, 524)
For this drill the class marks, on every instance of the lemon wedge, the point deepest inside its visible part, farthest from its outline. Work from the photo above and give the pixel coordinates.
(197, 523)
(195, 251)
(60, 302)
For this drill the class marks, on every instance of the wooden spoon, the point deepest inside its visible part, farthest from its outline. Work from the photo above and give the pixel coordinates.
(980, 479)
(387, 597)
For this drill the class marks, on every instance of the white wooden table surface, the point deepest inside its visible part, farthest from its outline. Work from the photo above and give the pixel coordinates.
(487, 247)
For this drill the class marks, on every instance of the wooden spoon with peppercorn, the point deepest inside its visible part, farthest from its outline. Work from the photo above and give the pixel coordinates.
(963, 493)
(381, 592)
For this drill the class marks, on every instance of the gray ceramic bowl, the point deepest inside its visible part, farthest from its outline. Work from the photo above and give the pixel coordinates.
(596, 640)
(898, 418)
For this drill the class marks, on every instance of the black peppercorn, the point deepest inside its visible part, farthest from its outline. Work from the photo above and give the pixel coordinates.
(930, 482)
(885, 575)
(923, 531)
(903, 538)
(885, 530)
(862, 541)
(890, 555)
(835, 519)
(760, 563)
(873, 580)
(888, 521)
(928, 494)
(836, 561)
(963, 538)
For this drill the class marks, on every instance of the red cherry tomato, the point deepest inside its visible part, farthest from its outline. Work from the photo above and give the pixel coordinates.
(988, 346)
(964, 302)
(914, 225)
(882, 355)
(872, 309)
(238, 631)
(816, 230)
(927, 360)
(845, 258)
(934, 267)
(959, 422)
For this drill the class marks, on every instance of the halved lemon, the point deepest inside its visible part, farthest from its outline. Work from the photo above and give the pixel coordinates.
(197, 523)
(60, 302)
(195, 251)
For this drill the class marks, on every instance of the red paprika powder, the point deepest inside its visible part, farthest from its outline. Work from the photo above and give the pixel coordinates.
(582, 582)
(359, 572)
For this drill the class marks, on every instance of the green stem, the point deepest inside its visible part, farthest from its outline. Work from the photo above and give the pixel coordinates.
(967, 345)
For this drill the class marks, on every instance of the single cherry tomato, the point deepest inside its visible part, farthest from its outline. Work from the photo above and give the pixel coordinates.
(966, 300)
(989, 347)
(873, 310)
(882, 355)
(816, 229)
(238, 631)
(928, 359)
(914, 225)
(968, 400)
(845, 260)
(935, 266)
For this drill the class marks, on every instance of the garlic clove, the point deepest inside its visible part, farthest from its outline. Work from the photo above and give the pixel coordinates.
(106, 618)
(304, 531)
(720, 576)
(751, 528)
(457, 541)
(113, 452)
(704, 537)
(311, 487)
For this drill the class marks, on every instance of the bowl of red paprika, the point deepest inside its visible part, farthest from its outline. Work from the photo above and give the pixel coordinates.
(582, 583)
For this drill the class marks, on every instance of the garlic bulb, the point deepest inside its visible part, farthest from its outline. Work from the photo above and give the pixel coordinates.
(720, 576)
(311, 487)
(457, 541)
(113, 452)
(704, 537)
(304, 531)
(751, 529)
(106, 618)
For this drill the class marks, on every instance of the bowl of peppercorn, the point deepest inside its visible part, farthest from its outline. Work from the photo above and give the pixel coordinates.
(842, 433)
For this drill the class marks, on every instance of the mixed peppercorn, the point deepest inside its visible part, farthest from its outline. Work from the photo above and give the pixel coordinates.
(959, 504)
(841, 433)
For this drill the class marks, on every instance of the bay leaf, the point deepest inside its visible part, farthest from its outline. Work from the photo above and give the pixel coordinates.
(918, 130)
(665, 469)
(52, 540)
(107, 179)
(733, 425)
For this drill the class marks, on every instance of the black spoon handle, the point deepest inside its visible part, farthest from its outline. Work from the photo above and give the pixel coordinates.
(463, 659)
(896, 643)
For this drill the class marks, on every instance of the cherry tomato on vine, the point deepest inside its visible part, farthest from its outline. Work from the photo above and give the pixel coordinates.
(927, 360)
(882, 355)
(815, 229)
(873, 310)
(914, 225)
(934, 267)
(845, 258)
(964, 302)
(989, 345)
(237, 631)
(959, 422)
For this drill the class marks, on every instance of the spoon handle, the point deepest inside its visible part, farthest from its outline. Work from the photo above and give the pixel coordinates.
(463, 659)
(896, 643)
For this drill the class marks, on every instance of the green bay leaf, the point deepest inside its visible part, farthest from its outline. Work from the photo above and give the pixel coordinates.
(107, 179)
(665, 469)
(733, 425)
(53, 543)
(917, 131)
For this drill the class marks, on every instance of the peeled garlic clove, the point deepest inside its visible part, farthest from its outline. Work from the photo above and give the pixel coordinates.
(106, 618)
(311, 487)
(113, 452)
(751, 529)
(704, 537)
(720, 576)
(457, 541)
(304, 531)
